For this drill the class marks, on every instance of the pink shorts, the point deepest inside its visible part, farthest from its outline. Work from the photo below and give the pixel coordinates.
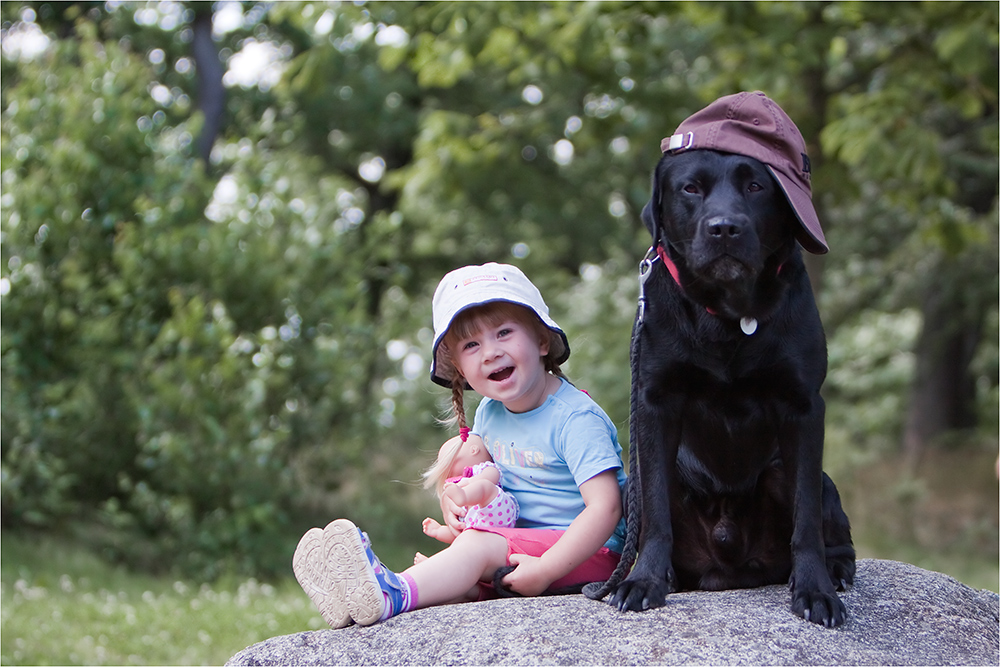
(535, 542)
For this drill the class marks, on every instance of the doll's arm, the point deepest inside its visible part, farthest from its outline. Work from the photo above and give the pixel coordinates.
(471, 491)
(450, 510)
(490, 473)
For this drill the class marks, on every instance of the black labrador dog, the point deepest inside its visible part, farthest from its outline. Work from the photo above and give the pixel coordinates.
(730, 356)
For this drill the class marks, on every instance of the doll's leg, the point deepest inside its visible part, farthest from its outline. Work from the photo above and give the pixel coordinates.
(440, 533)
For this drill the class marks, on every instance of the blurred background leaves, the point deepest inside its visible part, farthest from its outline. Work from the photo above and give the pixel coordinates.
(222, 225)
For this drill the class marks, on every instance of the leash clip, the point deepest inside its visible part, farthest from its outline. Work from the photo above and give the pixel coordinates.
(645, 270)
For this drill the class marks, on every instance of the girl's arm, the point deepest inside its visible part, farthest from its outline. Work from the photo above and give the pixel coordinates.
(588, 533)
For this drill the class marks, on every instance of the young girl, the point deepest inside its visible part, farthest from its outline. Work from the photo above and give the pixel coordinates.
(558, 450)
(465, 472)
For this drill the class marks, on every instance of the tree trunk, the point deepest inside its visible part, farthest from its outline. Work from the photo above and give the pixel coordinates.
(811, 125)
(943, 394)
(211, 92)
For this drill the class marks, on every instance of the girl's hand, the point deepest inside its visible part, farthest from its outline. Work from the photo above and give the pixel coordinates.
(451, 512)
(585, 535)
(529, 577)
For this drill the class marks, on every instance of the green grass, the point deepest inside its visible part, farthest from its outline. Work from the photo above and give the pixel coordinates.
(61, 605)
(972, 569)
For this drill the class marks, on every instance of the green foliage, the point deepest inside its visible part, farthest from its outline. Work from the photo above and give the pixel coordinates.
(152, 357)
(201, 361)
(68, 352)
(870, 368)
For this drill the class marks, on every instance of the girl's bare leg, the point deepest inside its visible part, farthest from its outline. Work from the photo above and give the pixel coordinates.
(452, 575)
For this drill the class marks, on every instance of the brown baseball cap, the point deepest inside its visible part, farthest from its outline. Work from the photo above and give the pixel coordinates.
(754, 125)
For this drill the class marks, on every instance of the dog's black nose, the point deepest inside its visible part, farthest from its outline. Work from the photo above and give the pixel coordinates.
(725, 532)
(724, 227)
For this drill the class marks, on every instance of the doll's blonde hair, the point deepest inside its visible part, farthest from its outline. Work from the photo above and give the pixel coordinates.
(438, 474)
(468, 323)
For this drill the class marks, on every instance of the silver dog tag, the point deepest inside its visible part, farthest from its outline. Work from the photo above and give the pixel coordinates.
(748, 325)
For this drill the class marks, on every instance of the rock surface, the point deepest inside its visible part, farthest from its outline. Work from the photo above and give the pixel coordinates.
(898, 615)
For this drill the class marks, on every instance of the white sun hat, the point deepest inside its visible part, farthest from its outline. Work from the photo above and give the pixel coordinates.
(477, 285)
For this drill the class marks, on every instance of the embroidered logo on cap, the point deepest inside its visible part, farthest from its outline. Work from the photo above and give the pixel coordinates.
(479, 279)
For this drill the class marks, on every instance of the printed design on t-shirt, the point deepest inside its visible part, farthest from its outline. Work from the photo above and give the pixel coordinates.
(509, 455)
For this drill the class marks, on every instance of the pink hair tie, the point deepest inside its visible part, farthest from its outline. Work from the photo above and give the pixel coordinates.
(463, 433)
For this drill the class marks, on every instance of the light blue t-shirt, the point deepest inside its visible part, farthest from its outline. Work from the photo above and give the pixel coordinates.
(547, 453)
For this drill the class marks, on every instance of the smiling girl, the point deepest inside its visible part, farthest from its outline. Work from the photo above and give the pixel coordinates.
(557, 449)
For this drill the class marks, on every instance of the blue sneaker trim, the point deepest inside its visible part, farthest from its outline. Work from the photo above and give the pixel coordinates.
(395, 589)
(372, 591)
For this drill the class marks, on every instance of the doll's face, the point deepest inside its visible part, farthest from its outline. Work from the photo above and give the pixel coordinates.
(471, 452)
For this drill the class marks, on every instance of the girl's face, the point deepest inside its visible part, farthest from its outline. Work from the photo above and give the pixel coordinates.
(504, 361)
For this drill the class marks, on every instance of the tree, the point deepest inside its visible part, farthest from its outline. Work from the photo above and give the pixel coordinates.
(212, 333)
(924, 127)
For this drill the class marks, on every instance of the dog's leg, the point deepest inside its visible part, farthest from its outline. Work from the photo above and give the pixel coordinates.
(813, 594)
(653, 577)
(840, 555)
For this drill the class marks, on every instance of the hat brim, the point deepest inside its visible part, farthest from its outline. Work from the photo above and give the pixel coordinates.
(810, 234)
(442, 368)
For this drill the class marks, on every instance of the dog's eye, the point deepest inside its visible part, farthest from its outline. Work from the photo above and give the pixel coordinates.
(755, 187)
(692, 189)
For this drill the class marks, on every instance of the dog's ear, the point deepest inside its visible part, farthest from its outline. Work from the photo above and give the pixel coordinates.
(647, 215)
(652, 211)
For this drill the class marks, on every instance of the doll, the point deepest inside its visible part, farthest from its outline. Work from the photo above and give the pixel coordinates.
(465, 473)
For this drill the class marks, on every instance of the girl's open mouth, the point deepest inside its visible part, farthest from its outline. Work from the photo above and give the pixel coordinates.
(502, 374)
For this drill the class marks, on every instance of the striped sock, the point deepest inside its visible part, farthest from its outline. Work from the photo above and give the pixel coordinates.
(405, 600)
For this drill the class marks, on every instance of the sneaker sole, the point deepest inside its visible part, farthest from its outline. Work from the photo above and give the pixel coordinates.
(352, 572)
(313, 569)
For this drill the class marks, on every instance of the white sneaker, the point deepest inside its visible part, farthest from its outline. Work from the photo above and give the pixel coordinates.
(313, 567)
(357, 572)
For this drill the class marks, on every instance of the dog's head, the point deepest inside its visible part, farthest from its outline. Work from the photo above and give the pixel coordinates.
(731, 196)
(722, 215)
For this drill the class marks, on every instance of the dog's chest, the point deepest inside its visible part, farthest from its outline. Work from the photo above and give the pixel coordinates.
(742, 392)
(730, 409)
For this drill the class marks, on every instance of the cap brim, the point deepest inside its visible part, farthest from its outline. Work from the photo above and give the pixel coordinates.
(810, 233)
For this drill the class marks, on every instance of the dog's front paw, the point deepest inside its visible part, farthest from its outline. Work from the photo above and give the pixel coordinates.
(641, 593)
(823, 608)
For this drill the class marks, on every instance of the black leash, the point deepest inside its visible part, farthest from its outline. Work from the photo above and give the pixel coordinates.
(632, 499)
